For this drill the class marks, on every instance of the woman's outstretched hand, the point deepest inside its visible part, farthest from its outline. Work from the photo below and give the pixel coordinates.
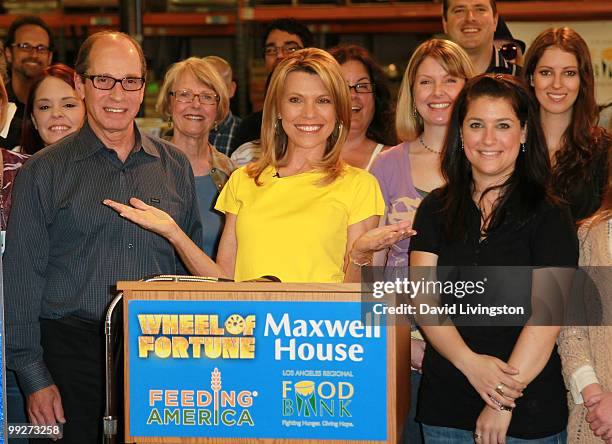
(148, 217)
(380, 238)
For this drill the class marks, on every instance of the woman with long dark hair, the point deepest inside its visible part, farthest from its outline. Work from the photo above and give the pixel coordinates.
(559, 71)
(495, 210)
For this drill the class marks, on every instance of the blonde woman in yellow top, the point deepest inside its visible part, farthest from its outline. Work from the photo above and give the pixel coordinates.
(299, 213)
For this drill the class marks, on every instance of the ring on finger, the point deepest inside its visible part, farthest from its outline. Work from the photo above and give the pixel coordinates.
(476, 436)
(500, 389)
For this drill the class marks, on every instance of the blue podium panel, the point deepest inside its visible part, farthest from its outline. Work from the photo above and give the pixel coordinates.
(256, 369)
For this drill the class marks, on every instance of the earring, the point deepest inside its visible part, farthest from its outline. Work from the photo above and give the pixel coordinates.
(415, 114)
(216, 127)
(523, 147)
(531, 80)
(277, 124)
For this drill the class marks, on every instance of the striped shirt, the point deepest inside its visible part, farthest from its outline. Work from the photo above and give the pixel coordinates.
(65, 250)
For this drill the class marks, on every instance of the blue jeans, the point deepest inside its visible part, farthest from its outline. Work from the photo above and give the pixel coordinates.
(412, 429)
(15, 404)
(448, 435)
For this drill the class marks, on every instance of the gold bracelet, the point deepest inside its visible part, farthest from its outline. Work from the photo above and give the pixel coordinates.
(360, 264)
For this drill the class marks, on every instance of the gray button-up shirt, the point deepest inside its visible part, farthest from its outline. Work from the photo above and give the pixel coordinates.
(65, 250)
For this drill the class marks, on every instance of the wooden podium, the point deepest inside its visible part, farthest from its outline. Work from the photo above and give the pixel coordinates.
(162, 321)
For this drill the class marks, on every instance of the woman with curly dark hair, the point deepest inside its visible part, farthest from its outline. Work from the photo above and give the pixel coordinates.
(372, 110)
(559, 71)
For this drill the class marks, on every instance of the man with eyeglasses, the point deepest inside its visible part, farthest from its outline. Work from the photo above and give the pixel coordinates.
(28, 49)
(281, 38)
(65, 250)
(471, 24)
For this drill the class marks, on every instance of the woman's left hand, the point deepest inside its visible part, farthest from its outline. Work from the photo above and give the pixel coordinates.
(380, 238)
(600, 413)
(492, 426)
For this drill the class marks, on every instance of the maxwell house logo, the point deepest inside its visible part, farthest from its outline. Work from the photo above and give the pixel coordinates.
(317, 399)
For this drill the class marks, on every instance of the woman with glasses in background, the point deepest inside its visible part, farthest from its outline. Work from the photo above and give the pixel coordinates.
(195, 99)
(372, 111)
(559, 71)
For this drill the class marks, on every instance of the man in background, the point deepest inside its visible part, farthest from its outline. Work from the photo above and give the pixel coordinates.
(223, 133)
(282, 38)
(471, 24)
(28, 49)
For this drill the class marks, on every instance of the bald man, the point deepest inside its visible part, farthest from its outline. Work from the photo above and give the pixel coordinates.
(65, 251)
(222, 135)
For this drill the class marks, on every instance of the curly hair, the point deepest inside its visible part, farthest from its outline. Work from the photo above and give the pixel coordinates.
(381, 129)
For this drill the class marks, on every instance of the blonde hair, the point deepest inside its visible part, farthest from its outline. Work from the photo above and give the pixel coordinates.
(203, 71)
(274, 139)
(451, 57)
(4, 104)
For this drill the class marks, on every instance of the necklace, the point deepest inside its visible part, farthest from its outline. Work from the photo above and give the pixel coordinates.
(426, 147)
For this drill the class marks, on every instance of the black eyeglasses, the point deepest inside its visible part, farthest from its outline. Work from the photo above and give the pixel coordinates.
(509, 51)
(107, 82)
(26, 47)
(362, 88)
(285, 50)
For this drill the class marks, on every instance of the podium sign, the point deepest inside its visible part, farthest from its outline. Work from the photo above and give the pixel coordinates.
(224, 364)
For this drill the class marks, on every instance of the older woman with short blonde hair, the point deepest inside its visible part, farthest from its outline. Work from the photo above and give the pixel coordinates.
(195, 99)
(299, 213)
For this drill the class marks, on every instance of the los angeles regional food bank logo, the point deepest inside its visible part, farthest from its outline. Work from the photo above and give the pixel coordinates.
(202, 407)
(317, 399)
